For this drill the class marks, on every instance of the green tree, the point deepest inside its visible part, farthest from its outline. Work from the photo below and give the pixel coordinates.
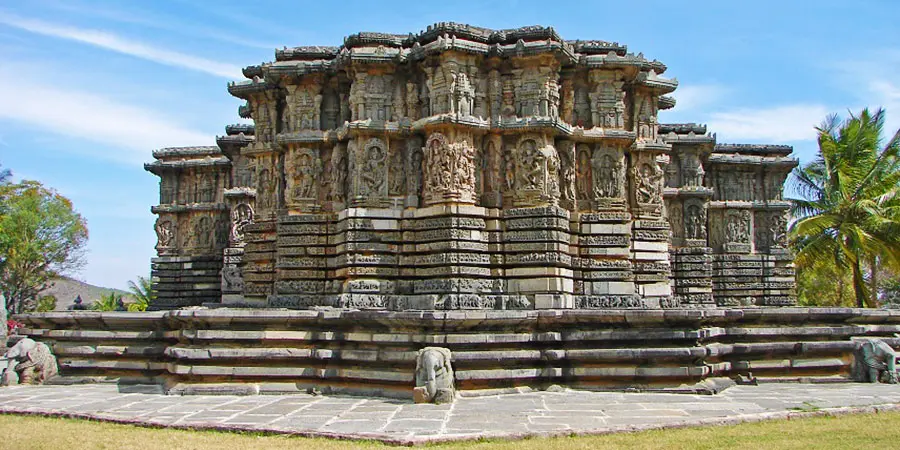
(41, 237)
(108, 302)
(849, 213)
(142, 291)
(46, 303)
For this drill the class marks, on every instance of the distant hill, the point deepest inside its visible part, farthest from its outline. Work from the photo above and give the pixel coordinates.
(66, 289)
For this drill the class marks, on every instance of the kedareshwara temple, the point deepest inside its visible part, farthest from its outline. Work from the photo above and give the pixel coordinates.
(470, 210)
(468, 168)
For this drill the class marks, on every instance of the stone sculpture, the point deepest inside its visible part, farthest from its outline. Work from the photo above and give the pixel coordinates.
(874, 361)
(434, 376)
(27, 362)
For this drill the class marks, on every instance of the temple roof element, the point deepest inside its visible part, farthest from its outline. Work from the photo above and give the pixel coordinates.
(375, 48)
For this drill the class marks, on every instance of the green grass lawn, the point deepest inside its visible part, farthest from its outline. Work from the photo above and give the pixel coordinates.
(844, 432)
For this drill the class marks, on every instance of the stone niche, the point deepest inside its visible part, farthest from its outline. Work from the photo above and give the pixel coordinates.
(468, 168)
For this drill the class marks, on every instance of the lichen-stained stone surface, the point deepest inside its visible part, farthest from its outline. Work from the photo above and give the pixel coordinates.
(512, 416)
(468, 168)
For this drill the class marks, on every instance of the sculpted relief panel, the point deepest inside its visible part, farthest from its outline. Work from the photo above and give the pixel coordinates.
(449, 170)
(304, 168)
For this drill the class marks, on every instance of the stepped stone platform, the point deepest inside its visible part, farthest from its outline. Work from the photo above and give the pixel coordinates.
(271, 351)
(530, 414)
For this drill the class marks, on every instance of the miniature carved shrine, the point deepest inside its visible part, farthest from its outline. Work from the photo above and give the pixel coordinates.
(468, 168)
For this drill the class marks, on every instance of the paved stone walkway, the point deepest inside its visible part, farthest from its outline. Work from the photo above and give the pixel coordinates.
(400, 422)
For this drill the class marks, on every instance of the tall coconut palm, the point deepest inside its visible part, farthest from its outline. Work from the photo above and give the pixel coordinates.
(850, 210)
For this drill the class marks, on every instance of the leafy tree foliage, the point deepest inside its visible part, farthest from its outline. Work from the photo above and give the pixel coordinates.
(46, 303)
(848, 220)
(142, 291)
(41, 237)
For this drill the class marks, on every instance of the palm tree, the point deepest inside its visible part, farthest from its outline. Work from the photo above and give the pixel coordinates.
(142, 291)
(108, 302)
(850, 210)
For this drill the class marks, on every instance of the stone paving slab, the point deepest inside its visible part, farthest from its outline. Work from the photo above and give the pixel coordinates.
(508, 416)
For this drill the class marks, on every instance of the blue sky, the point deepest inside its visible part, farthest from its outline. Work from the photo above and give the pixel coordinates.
(89, 88)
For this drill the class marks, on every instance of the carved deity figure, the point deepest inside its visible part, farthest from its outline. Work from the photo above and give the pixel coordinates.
(266, 190)
(737, 228)
(165, 232)
(778, 230)
(607, 171)
(648, 184)
(647, 119)
(241, 216)
(584, 183)
(509, 172)
(338, 174)
(396, 174)
(531, 163)
(412, 101)
(414, 177)
(434, 376)
(373, 170)
(27, 362)
(203, 231)
(692, 170)
(695, 223)
(568, 177)
(307, 169)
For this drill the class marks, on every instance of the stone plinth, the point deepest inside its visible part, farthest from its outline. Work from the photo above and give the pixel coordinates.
(374, 352)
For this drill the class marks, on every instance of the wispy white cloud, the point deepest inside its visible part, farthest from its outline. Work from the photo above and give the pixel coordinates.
(870, 79)
(136, 16)
(85, 115)
(695, 97)
(119, 44)
(778, 124)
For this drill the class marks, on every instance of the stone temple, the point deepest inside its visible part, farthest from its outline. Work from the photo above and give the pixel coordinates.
(468, 168)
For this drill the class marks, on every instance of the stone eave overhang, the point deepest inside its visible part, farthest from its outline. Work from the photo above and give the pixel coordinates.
(454, 119)
(174, 152)
(682, 128)
(158, 167)
(666, 102)
(757, 149)
(232, 144)
(304, 137)
(243, 89)
(689, 192)
(689, 139)
(651, 146)
(778, 205)
(598, 47)
(598, 134)
(240, 128)
(177, 208)
(239, 192)
(307, 52)
(783, 162)
(244, 111)
(657, 84)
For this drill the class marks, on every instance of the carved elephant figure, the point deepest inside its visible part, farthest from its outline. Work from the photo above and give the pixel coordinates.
(874, 361)
(27, 362)
(434, 376)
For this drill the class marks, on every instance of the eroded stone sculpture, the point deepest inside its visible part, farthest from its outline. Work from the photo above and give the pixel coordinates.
(27, 362)
(434, 376)
(874, 361)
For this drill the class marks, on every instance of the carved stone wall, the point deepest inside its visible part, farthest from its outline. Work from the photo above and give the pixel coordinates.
(468, 168)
